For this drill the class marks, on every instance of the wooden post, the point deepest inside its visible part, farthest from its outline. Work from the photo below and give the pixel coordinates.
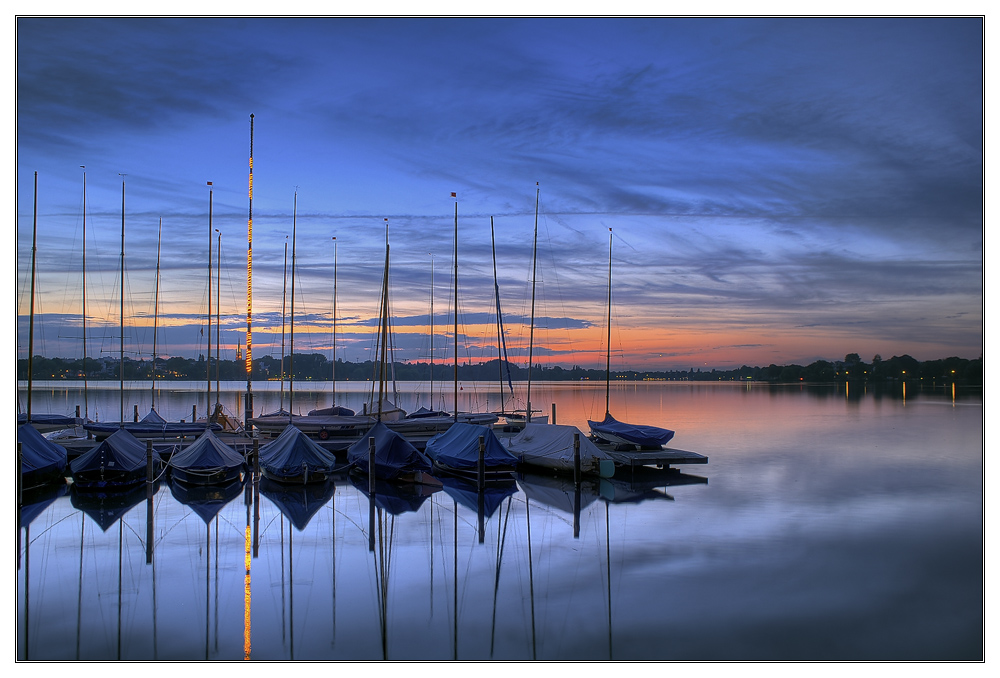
(255, 451)
(256, 459)
(576, 458)
(149, 467)
(482, 463)
(77, 411)
(135, 413)
(194, 413)
(553, 413)
(371, 493)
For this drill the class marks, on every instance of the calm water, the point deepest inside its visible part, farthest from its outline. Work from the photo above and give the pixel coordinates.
(827, 525)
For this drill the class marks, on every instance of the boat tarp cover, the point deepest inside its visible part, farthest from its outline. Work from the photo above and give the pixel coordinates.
(458, 447)
(289, 452)
(51, 419)
(645, 436)
(298, 503)
(334, 411)
(121, 451)
(422, 412)
(394, 454)
(206, 453)
(153, 418)
(551, 445)
(466, 494)
(37, 500)
(206, 500)
(37, 453)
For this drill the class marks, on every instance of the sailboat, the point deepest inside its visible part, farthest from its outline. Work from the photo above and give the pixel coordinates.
(152, 425)
(519, 418)
(42, 422)
(610, 430)
(382, 452)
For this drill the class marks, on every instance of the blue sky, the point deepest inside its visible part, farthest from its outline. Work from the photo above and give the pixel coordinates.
(780, 190)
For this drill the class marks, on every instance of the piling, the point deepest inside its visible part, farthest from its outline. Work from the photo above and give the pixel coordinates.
(255, 452)
(553, 413)
(194, 413)
(482, 463)
(77, 411)
(135, 413)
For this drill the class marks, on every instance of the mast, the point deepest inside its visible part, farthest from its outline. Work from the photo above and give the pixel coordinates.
(531, 332)
(284, 286)
(208, 341)
(333, 371)
(501, 341)
(218, 313)
(291, 319)
(121, 317)
(156, 313)
(86, 406)
(383, 324)
(607, 378)
(432, 330)
(31, 310)
(249, 394)
(456, 306)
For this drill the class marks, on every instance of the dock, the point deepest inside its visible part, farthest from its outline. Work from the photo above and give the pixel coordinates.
(664, 458)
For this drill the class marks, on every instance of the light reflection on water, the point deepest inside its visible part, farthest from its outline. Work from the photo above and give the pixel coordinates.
(823, 527)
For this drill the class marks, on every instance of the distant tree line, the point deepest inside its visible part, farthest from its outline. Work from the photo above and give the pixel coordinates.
(316, 367)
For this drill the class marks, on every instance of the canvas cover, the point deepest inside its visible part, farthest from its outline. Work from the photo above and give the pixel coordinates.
(616, 431)
(39, 457)
(551, 446)
(465, 493)
(395, 498)
(286, 455)
(207, 453)
(298, 503)
(206, 500)
(458, 447)
(394, 454)
(107, 508)
(120, 451)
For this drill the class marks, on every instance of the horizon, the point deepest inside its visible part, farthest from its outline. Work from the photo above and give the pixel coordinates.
(780, 190)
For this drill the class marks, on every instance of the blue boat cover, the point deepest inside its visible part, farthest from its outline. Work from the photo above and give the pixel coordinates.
(298, 503)
(153, 418)
(206, 500)
(394, 454)
(458, 447)
(422, 412)
(120, 451)
(39, 457)
(334, 411)
(37, 500)
(466, 494)
(207, 453)
(644, 436)
(293, 450)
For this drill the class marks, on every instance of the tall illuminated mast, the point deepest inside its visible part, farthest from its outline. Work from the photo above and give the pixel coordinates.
(249, 395)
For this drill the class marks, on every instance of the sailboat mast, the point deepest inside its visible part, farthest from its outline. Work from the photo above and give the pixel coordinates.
(156, 313)
(121, 318)
(208, 339)
(496, 290)
(383, 324)
(431, 351)
(531, 332)
(607, 378)
(456, 306)
(218, 312)
(86, 405)
(249, 394)
(291, 319)
(31, 310)
(333, 369)
(284, 287)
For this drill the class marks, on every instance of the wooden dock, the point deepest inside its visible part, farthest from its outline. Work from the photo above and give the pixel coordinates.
(664, 458)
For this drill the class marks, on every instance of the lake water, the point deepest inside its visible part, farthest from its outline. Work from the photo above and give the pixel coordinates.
(831, 523)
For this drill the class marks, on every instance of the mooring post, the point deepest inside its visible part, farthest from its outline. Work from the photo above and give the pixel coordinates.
(256, 459)
(371, 493)
(553, 413)
(194, 413)
(576, 458)
(149, 467)
(255, 451)
(77, 411)
(135, 413)
(482, 462)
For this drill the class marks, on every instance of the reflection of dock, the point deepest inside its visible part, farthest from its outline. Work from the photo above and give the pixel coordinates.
(633, 459)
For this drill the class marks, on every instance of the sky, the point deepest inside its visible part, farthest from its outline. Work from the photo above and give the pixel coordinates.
(769, 190)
